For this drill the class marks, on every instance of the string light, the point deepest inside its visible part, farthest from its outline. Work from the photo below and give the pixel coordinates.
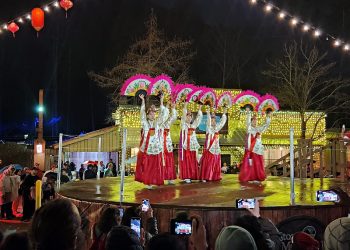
(46, 9)
(268, 8)
(281, 15)
(4, 26)
(252, 1)
(317, 33)
(28, 17)
(20, 20)
(306, 27)
(294, 21)
(346, 47)
(337, 43)
(56, 4)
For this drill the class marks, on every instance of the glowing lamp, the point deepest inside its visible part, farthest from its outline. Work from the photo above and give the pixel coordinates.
(40, 109)
(39, 148)
(38, 19)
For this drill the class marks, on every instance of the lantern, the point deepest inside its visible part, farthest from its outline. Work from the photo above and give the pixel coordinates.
(38, 18)
(66, 5)
(13, 27)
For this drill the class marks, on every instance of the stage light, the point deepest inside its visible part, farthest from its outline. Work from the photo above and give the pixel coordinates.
(317, 33)
(268, 7)
(337, 43)
(294, 22)
(306, 27)
(346, 47)
(281, 15)
(28, 16)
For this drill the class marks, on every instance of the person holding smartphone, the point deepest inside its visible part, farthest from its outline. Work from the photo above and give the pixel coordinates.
(189, 145)
(149, 167)
(168, 156)
(211, 159)
(252, 168)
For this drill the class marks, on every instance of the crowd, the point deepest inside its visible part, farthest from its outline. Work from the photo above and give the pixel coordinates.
(17, 186)
(60, 225)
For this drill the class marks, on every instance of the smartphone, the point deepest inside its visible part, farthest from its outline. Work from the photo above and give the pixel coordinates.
(181, 227)
(135, 225)
(245, 203)
(326, 196)
(145, 205)
(121, 211)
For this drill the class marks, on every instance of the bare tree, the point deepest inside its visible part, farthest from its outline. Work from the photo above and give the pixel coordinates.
(152, 55)
(304, 83)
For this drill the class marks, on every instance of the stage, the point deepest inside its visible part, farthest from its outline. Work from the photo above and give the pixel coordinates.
(214, 201)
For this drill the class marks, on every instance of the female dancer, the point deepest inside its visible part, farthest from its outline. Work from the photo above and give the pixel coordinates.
(188, 155)
(211, 159)
(149, 167)
(166, 142)
(252, 168)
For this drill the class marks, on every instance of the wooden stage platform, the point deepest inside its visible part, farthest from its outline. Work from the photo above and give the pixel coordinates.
(214, 201)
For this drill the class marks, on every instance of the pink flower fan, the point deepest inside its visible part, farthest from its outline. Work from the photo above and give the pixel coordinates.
(182, 91)
(194, 95)
(247, 98)
(208, 97)
(225, 100)
(134, 84)
(268, 103)
(161, 84)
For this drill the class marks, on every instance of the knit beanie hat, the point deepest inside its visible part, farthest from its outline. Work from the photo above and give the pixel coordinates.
(305, 241)
(234, 237)
(337, 234)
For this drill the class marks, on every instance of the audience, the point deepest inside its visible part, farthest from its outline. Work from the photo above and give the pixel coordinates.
(234, 237)
(16, 241)
(166, 241)
(123, 238)
(304, 241)
(337, 234)
(57, 226)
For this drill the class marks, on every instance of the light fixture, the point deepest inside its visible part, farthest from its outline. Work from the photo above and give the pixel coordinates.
(39, 148)
(317, 33)
(281, 15)
(294, 21)
(46, 9)
(306, 27)
(28, 17)
(336, 43)
(346, 47)
(20, 20)
(268, 7)
(252, 1)
(56, 4)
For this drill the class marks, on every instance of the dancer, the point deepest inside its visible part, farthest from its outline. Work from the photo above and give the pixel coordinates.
(166, 142)
(149, 167)
(252, 168)
(211, 159)
(188, 140)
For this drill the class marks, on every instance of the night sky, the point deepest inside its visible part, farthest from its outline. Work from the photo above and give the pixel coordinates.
(97, 32)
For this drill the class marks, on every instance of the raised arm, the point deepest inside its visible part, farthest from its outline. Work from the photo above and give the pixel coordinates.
(208, 118)
(263, 128)
(173, 114)
(143, 110)
(163, 112)
(199, 117)
(222, 122)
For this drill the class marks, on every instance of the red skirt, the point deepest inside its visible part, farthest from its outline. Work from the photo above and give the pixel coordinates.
(153, 170)
(169, 168)
(254, 172)
(139, 166)
(210, 166)
(189, 165)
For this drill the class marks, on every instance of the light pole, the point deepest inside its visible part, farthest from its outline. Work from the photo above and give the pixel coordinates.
(39, 143)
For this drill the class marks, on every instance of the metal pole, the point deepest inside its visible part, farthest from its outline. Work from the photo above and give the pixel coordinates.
(58, 184)
(122, 167)
(291, 148)
(99, 157)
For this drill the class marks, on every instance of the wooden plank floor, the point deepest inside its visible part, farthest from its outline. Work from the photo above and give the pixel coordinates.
(211, 195)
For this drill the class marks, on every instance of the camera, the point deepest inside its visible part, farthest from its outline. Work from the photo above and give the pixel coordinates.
(145, 205)
(326, 196)
(245, 203)
(181, 227)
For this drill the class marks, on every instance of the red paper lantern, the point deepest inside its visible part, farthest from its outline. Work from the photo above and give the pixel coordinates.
(66, 5)
(13, 27)
(38, 19)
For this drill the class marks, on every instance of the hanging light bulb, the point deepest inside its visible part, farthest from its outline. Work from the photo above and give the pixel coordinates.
(336, 43)
(46, 9)
(317, 33)
(294, 21)
(281, 15)
(252, 1)
(268, 7)
(346, 47)
(4, 26)
(28, 16)
(20, 20)
(56, 4)
(306, 27)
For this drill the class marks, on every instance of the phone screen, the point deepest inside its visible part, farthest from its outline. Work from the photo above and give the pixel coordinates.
(145, 205)
(121, 211)
(183, 227)
(326, 196)
(136, 225)
(245, 203)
